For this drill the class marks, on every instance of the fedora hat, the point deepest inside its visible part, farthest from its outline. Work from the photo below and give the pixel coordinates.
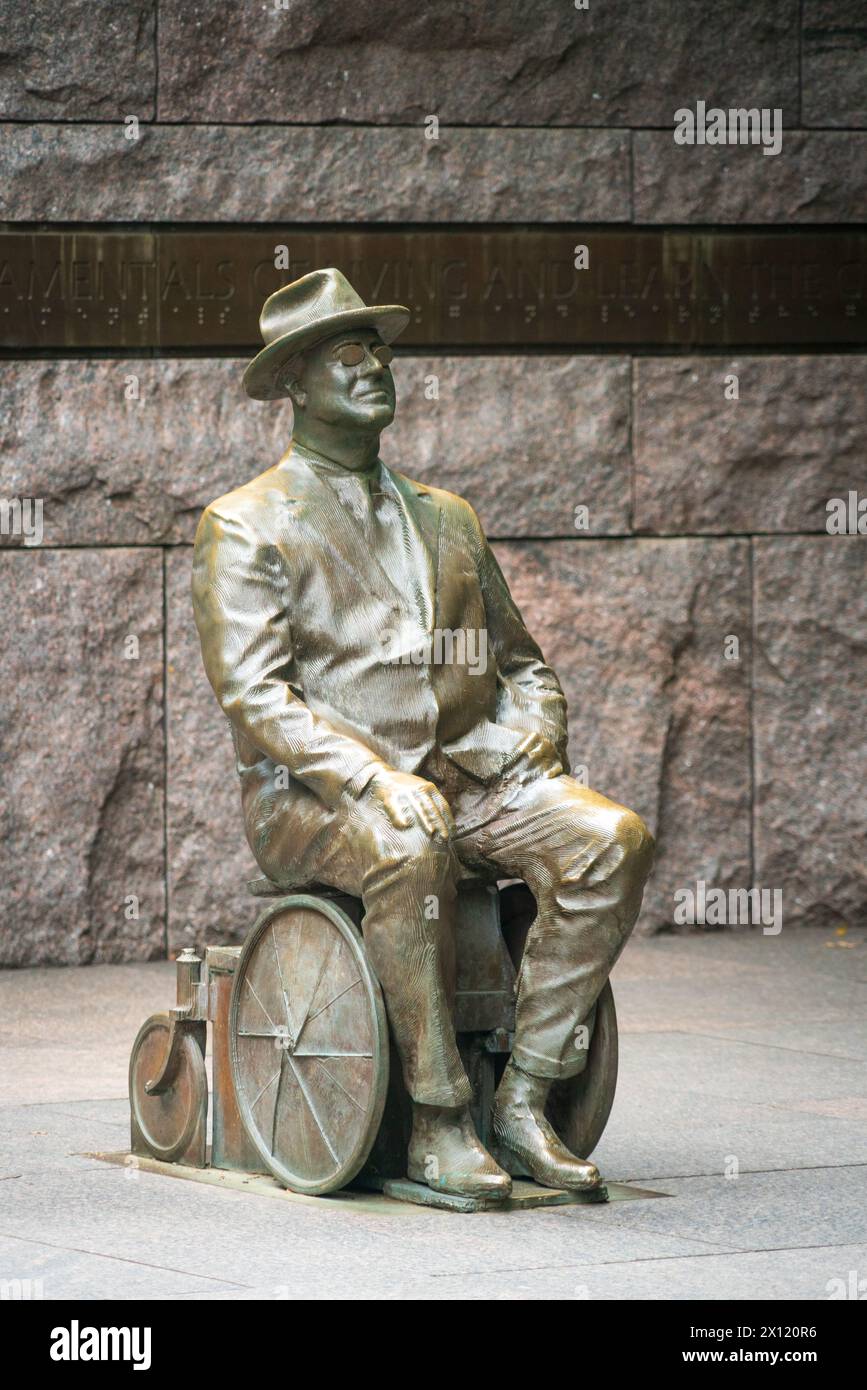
(298, 315)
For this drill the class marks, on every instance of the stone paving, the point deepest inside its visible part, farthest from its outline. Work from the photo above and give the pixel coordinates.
(742, 1096)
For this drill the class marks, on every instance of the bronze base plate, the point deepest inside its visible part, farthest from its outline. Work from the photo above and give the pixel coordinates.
(525, 1195)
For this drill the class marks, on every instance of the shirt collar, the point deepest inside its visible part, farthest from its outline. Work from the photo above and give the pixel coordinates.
(371, 477)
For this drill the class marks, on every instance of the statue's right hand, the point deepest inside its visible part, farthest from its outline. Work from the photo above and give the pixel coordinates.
(409, 801)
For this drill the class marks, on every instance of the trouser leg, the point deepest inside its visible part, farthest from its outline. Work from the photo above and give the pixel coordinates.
(406, 881)
(409, 914)
(586, 860)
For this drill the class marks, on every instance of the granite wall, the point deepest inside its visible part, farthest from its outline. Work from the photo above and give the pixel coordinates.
(708, 630)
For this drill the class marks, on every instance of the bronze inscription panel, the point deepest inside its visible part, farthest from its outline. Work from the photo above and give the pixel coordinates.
(506, 288)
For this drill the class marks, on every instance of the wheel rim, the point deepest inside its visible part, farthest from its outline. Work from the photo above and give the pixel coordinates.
(579, 1107)
(166, 1121)
(308, 1044)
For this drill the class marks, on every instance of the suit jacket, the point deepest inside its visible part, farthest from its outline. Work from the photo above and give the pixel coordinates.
(291, 606)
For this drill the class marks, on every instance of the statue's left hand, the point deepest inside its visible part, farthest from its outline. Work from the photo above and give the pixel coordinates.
(535, 756)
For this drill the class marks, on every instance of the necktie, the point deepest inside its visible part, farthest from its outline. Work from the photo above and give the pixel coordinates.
(398, 544)
(390, 534)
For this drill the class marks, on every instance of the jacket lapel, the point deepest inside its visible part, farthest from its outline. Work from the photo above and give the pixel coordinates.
(336, 524)
(424, 514)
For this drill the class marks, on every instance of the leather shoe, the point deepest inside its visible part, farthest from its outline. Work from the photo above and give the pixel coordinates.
(446, 1153)
(523, 1132)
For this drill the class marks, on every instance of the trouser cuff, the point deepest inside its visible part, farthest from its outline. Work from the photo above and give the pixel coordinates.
(551, 1068)
(452, 1097)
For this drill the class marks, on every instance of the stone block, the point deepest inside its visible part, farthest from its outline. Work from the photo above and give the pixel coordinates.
(658, 717)
(493, 63)
(209, 862)
(768, 461)
(810, 676)
(112, 470)
(525, 438)
(219, 173)
(834, 63)
(78, 61)
(818, 176)
(82, 772)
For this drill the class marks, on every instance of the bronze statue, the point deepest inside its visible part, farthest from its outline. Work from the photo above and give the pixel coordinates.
(396, 726)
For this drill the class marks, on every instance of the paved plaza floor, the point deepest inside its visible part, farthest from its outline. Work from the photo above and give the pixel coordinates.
(742, 1097)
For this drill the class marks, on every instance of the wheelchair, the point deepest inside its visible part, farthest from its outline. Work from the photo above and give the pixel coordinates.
(307, 1085)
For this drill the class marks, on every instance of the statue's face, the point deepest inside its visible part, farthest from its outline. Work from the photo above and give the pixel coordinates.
(346, 381)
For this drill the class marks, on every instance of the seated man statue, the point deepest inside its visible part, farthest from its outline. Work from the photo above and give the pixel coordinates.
(383, 757)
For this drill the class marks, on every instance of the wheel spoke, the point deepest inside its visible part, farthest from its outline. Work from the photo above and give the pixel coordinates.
(322, 968)
(282, 981)
(333, 1078)
(280, 1073)
(248, 982)
(323, 1053)
(265, 1087)
(295, 946)
(312, 1108)
(334, 1000)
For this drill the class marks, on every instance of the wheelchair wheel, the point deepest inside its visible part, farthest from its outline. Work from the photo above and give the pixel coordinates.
(308, 1044)
(579, 1107)
(168, 1122)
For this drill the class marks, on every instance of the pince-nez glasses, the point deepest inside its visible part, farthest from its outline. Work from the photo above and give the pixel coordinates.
(353, 354)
